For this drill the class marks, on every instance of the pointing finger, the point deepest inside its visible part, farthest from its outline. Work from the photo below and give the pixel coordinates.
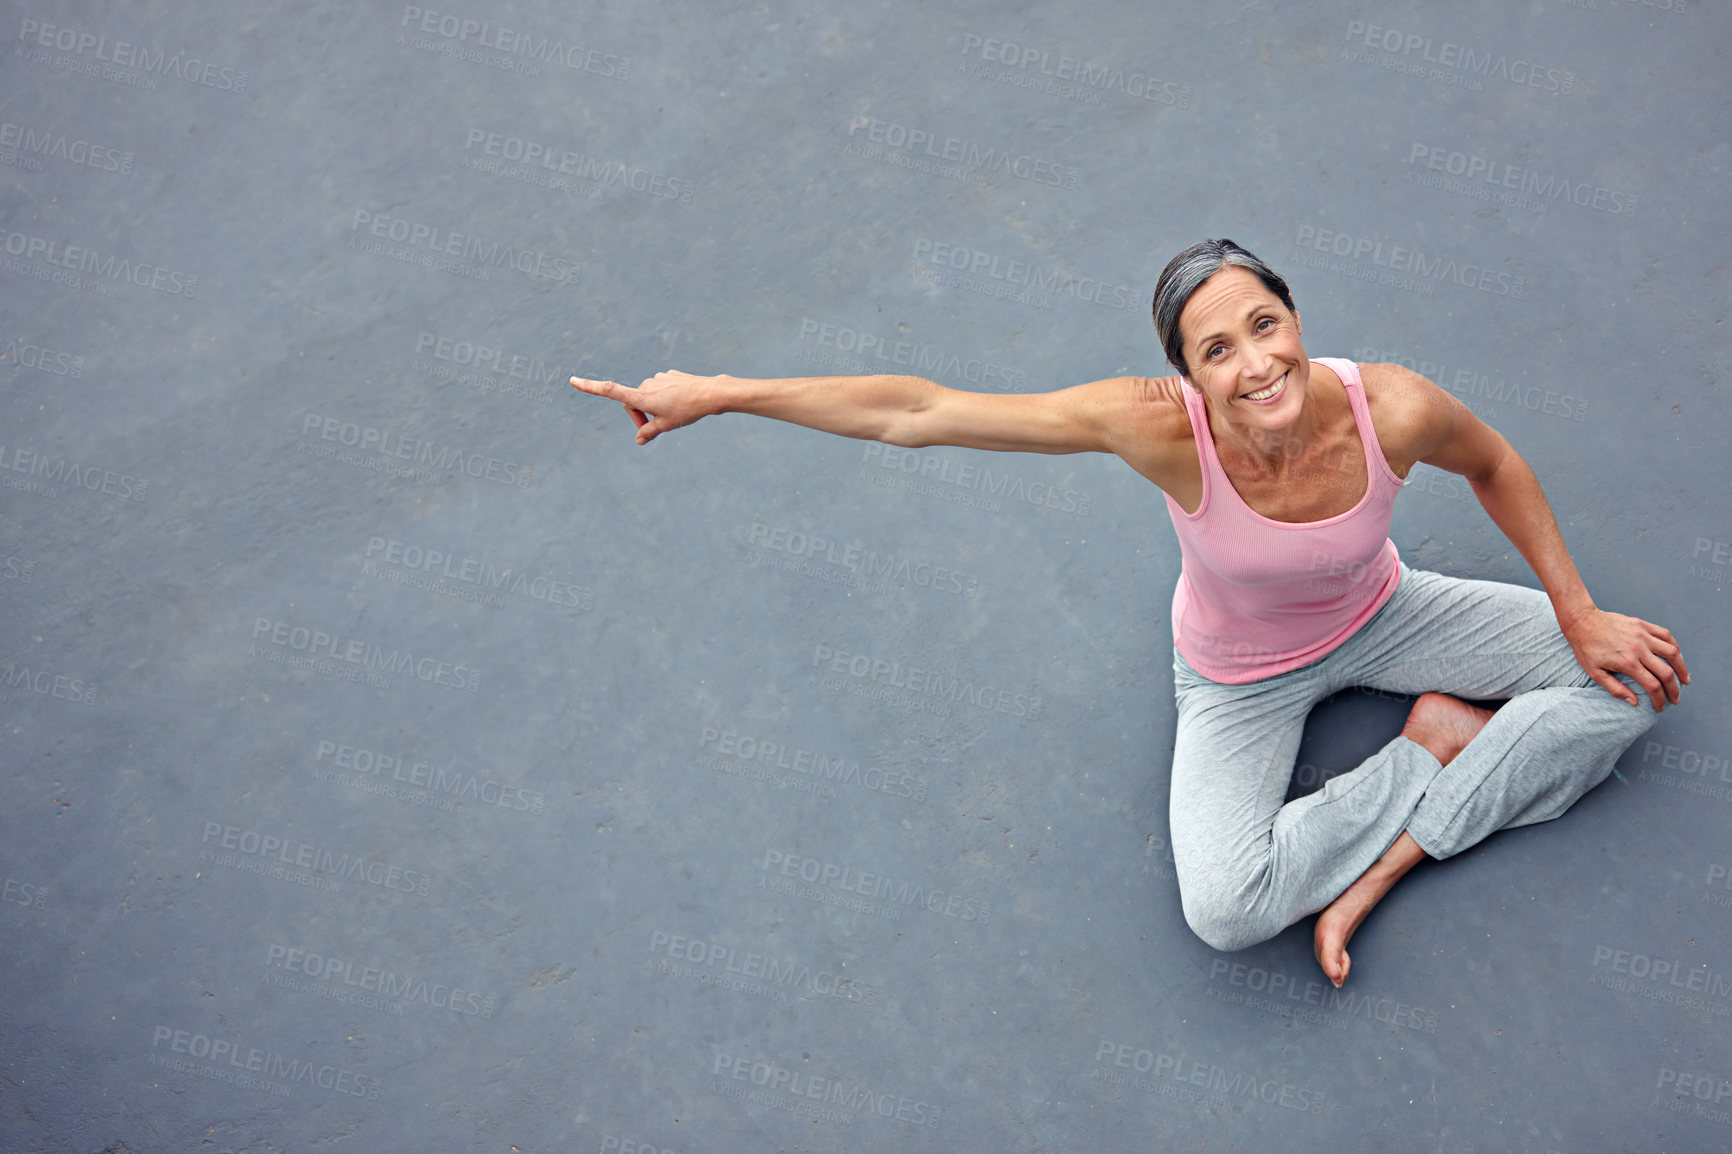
(596, 388)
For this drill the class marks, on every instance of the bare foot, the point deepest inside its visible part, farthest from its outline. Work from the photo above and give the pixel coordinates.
(1335, 925)
(1443, 725)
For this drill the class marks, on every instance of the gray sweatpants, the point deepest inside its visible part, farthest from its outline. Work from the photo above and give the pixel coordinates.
(1249, 866)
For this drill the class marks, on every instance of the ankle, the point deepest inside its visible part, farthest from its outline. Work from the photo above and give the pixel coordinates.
(1431, 746)
(1400, 857)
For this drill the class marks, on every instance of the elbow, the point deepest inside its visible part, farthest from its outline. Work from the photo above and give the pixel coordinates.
(906, 434)
(1505, 463)
(910, 426)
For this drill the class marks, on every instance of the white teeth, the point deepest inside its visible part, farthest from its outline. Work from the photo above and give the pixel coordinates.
(1265, 393)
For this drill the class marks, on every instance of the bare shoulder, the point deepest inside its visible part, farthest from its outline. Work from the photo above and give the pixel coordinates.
(1168, 420)
(1142, 420)
(1396, 386)
(1140, 408)
(1411, 413)
(1131, 400)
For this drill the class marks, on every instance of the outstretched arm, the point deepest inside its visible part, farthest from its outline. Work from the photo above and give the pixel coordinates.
(1441, 431)
(900, 410)
(868, 407)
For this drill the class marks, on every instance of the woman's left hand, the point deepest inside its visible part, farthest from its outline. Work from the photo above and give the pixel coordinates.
(1610, 643)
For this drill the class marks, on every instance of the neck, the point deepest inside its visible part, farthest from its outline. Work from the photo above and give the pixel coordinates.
(1274, 449)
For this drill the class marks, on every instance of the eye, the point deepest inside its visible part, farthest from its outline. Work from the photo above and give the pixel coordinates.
(1213, 350)
(1265, 322)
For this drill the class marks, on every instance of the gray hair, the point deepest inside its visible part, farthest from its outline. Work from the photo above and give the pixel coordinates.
(1185, 274)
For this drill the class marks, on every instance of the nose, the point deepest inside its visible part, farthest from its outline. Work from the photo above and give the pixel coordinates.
(1257, 365)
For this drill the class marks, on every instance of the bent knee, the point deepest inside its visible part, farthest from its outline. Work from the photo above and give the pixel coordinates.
(1223, 928)
(1639, 718)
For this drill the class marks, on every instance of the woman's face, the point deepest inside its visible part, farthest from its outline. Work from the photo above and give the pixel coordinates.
(1242, 345)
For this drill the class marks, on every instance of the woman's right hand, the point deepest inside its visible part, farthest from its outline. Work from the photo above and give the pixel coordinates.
(665, 401)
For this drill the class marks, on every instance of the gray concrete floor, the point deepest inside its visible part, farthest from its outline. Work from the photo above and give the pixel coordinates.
(396, 754)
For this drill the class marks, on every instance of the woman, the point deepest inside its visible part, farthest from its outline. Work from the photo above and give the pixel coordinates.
(1280, 474)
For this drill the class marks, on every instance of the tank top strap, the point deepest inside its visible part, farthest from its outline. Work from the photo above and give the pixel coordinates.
(1207, 462)
(1354, 384)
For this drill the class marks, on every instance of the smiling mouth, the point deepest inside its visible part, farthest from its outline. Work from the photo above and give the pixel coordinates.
(1269, 391)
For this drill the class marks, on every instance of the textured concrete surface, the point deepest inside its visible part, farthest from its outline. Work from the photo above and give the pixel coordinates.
(395, 754)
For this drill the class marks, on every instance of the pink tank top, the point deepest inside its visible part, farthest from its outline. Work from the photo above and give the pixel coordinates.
(1258, 597)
